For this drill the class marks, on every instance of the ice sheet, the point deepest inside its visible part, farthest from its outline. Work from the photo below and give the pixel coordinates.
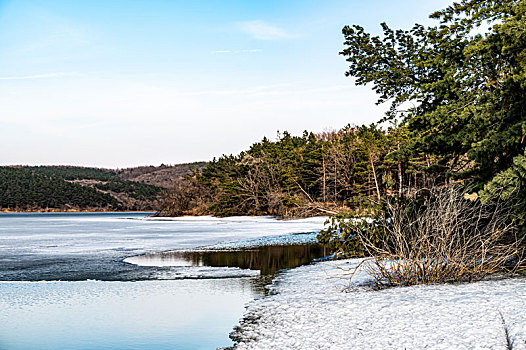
(79, 246)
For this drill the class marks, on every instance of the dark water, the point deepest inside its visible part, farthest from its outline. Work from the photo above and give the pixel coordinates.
(268, 259)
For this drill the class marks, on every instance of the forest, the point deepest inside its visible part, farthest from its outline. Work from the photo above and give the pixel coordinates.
(24, 189)
(312, 174)
(36, 188)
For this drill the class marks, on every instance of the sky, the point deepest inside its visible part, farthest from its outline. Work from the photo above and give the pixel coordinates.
(125, 83)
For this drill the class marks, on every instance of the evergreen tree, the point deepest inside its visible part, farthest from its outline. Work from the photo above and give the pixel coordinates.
(467, 84)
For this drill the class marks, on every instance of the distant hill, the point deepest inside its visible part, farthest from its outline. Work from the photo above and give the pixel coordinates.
(35, 188)
(26, 189)
(162, 176)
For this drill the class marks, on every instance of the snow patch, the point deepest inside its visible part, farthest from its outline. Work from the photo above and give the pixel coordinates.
(313, 307)
(204, 272)
(303, 238)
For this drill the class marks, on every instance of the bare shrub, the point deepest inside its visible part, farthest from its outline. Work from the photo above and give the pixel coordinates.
(186, 197)
(451, 239)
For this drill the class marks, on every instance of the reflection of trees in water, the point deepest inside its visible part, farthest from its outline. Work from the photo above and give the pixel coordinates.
(268, 260)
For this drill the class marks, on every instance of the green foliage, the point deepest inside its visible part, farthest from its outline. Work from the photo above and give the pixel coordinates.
(460, 89)
(341, 238)
(23, 189)
(343, 233)
(75, 173)
(306, 175)
(49, 187)
(467, 89)
(508, 183)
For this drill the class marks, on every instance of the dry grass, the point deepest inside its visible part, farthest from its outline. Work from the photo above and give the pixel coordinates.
(452, 239)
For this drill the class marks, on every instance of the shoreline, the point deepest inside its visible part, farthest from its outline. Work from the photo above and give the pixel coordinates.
(314, 307)
(153, 212)
(65, 211)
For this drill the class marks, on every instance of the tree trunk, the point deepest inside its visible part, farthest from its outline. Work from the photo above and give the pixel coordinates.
(375, 179)
(400, 178)
(324, 178)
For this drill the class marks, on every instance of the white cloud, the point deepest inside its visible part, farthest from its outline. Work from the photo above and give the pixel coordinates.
(39, 76)
(264, 31)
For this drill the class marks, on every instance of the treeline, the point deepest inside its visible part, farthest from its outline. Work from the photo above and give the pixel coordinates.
(25, 188)
(313, 174)
(74, 173)
(105, 180)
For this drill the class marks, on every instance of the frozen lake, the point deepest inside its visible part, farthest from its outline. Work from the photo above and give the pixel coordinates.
(83, 246)
(66, 286)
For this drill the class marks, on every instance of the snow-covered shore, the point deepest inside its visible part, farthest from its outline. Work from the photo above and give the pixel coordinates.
(307, 309)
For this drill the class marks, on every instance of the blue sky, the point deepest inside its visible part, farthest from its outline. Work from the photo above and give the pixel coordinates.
(125, 83)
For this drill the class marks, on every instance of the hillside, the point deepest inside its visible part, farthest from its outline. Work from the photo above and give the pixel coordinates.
(162, 176)
(26, 189)
(36, 188)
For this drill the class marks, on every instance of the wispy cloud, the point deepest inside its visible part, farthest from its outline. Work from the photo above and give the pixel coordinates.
(38, 76)
(264, 31)
(238, 51)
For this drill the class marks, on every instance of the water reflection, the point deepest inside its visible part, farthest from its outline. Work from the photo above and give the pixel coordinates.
(89, 315)
(267, 259)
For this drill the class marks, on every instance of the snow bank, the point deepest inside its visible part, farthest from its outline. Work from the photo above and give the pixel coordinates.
(204, 272)
(308, 309)
(302, 238)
